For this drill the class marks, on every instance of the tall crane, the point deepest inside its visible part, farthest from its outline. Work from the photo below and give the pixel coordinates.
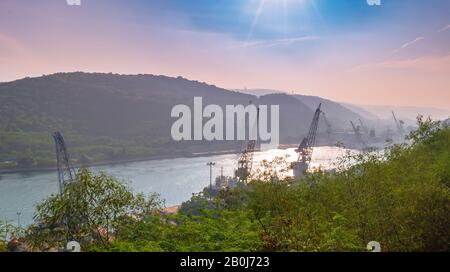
(358, 135)
(364, 128)
(305, 149)
(66, 172)
(399, 124)
(245, 162)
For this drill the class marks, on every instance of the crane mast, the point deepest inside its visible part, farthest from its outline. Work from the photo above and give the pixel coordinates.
(364, 128)
(358, 134)
(305, 148)
(355, 128)
(399, 124)
(245, 162)
(66, 172)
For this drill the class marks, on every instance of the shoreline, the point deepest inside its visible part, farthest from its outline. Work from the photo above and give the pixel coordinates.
(103, 163)
(152, 158)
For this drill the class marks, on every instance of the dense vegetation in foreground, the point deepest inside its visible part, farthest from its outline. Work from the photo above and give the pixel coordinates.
(400, 199)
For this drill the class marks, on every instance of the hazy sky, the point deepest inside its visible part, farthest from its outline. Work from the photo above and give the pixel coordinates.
(397, 53)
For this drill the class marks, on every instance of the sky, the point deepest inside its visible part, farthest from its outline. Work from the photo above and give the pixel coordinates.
(397, 53)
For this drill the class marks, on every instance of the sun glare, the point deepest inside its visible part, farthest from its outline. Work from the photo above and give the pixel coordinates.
(275, 7)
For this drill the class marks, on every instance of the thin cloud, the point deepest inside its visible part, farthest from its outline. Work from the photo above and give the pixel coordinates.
(422, 63)
(408, 44)
(416, 40)
(278, 42)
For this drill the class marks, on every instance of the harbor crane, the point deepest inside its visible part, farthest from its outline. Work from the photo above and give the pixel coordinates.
(363, 127)
(399, 124)
(245, 162)
(66, 172)
(358, 135)
(305, 149)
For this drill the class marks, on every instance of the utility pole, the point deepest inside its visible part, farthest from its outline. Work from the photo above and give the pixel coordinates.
(210, 164)
(18, 218)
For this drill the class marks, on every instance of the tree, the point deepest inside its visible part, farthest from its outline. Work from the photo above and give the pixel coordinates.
(211, 231)
(88, 211)
(8, 234)
(5, 229)
(399, 197)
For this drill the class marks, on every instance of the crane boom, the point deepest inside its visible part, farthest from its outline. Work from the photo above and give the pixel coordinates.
(355, 128)
(305, 149)
(66, 172)
(364, 128)
(308, 142)
(245, 162)
(398, 124)
(358, 135)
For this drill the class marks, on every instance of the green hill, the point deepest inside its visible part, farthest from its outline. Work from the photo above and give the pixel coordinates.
(110, 117)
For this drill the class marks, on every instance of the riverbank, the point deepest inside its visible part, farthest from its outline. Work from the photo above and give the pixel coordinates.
(173, 179)
(115, 162)
(103, 163)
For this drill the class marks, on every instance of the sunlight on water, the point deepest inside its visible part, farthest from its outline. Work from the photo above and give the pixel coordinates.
(174, 179)
(323, 157)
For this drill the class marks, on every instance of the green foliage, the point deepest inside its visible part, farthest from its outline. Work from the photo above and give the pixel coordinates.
(7, 233)
(399, 197)
(197, 204)
(275, 170)
(212, 231)
(88, 211)
(233, 198)
(5, 229)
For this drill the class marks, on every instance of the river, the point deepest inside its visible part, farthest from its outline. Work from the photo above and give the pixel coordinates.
(174, 179)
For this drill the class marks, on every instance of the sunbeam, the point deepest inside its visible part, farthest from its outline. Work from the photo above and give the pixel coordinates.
(285, 16)
(255, 20)
(275, 8)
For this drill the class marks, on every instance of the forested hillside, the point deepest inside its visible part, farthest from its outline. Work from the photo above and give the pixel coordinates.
(109, 117)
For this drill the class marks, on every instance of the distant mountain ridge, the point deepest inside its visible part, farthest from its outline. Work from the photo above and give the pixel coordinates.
(402, 112)
(338, 114)
(368, 113)
(258, 92)
(112, 117)
(109, 117)
(361, 111)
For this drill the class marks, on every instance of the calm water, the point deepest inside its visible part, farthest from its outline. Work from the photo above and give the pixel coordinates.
(174, 179)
